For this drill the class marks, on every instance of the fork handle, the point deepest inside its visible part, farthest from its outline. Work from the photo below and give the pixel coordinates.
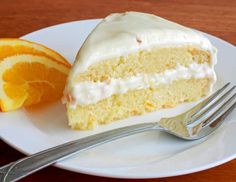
(28, 165)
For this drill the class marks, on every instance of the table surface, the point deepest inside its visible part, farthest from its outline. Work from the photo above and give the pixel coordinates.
(216, 17)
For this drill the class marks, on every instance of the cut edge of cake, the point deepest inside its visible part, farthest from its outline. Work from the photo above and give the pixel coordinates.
(134, 63)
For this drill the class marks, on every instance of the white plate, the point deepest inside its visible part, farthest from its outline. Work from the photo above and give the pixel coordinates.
(146, 155)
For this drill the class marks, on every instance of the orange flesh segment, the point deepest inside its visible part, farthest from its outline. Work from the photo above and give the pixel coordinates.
(7, 51)
(30, 74)
(31, 83)
(14, 46)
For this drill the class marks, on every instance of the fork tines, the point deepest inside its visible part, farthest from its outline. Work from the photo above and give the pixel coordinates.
(219, 104)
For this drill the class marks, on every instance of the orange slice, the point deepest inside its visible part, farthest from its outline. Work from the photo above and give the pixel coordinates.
(14, 46)
(28, 79)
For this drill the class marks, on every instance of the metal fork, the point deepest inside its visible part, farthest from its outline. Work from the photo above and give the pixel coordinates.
(198, 122)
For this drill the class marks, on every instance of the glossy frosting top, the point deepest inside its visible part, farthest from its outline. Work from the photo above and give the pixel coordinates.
(123, 33)
(120, 34)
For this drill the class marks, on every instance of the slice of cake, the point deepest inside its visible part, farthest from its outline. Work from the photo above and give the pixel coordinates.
(134, 63)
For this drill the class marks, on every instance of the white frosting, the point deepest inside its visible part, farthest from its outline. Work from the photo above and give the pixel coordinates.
(123, 33)
(88, 92)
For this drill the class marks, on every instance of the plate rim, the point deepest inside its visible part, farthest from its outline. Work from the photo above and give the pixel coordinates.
(94, 172)
(102, 174)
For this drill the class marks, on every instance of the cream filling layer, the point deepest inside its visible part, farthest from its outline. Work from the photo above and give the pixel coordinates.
(88, 92)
